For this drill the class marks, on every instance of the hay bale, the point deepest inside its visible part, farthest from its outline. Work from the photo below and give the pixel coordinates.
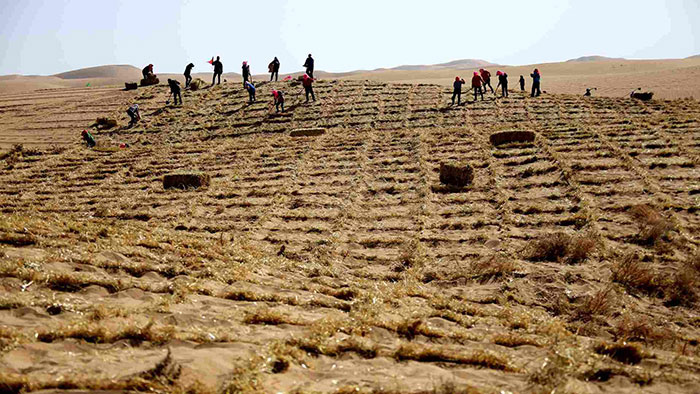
(105, 123)
(197, 84)
(310, 132)
(184, 180)
(456, 175)
(643, 96)
(151, 80)
(131, 85)
(505, 137)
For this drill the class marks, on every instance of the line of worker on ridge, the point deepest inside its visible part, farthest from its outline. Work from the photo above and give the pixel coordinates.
(273, 69)
(482, 79)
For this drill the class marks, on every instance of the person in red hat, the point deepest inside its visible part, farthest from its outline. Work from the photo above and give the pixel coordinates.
(148, 70)
(477, 83)
(279, 99)
(486, 77)
(503, 83)
(457, 92)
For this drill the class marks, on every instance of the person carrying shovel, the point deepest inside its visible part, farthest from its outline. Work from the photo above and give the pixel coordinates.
(477, 83)
(503, 83)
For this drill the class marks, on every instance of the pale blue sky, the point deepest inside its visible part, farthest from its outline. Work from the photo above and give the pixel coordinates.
(51, 36)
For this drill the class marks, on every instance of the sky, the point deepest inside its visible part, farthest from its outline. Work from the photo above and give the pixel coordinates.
(46, 37)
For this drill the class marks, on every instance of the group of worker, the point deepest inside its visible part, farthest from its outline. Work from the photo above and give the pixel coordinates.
(482, 79)
(307, 80)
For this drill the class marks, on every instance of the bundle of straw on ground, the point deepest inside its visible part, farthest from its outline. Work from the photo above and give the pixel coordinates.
(456, 175)
(505, 137)
(309, 132)
(197, 84)
(184, 180)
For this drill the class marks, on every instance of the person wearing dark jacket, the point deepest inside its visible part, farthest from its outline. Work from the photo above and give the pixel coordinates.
(218, 70)
(175, 90)
(309, 64)
(274, 69)
(477, 83)
(522, 83)
(536, 77)
(188, 74)
(486, 77)
(148, 70)
(245, 71)
(251, 91)
(457, 91)
(503, 83)
(307, 81)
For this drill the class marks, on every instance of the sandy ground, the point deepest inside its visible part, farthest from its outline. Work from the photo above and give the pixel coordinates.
(340, 263)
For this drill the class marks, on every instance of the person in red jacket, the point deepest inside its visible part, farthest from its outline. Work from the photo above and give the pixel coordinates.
(486, 77)
(279, 99)
(477, 83)
(307, 81)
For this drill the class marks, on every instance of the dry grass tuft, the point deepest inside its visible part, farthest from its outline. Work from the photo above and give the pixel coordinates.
(552, 373)
(105, 123)
(636, 275)
(652, 225)
(495, 267)
(94, 333)
(682, 288)
(639, 328)
(425, 353)
(320, 345)
(514, 340)
(268, 316)
(599, 303)
(623, 352)
(560, 247)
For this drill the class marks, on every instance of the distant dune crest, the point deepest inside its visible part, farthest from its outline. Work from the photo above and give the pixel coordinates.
(454, 65)
(595, 58)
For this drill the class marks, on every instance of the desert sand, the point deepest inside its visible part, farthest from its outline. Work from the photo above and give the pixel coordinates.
(339, 262)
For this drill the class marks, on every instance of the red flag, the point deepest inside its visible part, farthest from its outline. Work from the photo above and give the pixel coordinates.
(287, 78)
(211, 61)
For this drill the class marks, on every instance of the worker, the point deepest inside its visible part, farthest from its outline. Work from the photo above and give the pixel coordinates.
(274, 69)
(486, 77)
(307, 81)
(251, 91)
(88, 138)
(503, 83)
(536, 77)
(309, 64)
(457, 91)
(175, 90)
(188, 75)
(218, 70)
(588, 92)
(279, 100)
(134, 114)
(245, 71)
(477, 83)
(148, 70)
(522, 83)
